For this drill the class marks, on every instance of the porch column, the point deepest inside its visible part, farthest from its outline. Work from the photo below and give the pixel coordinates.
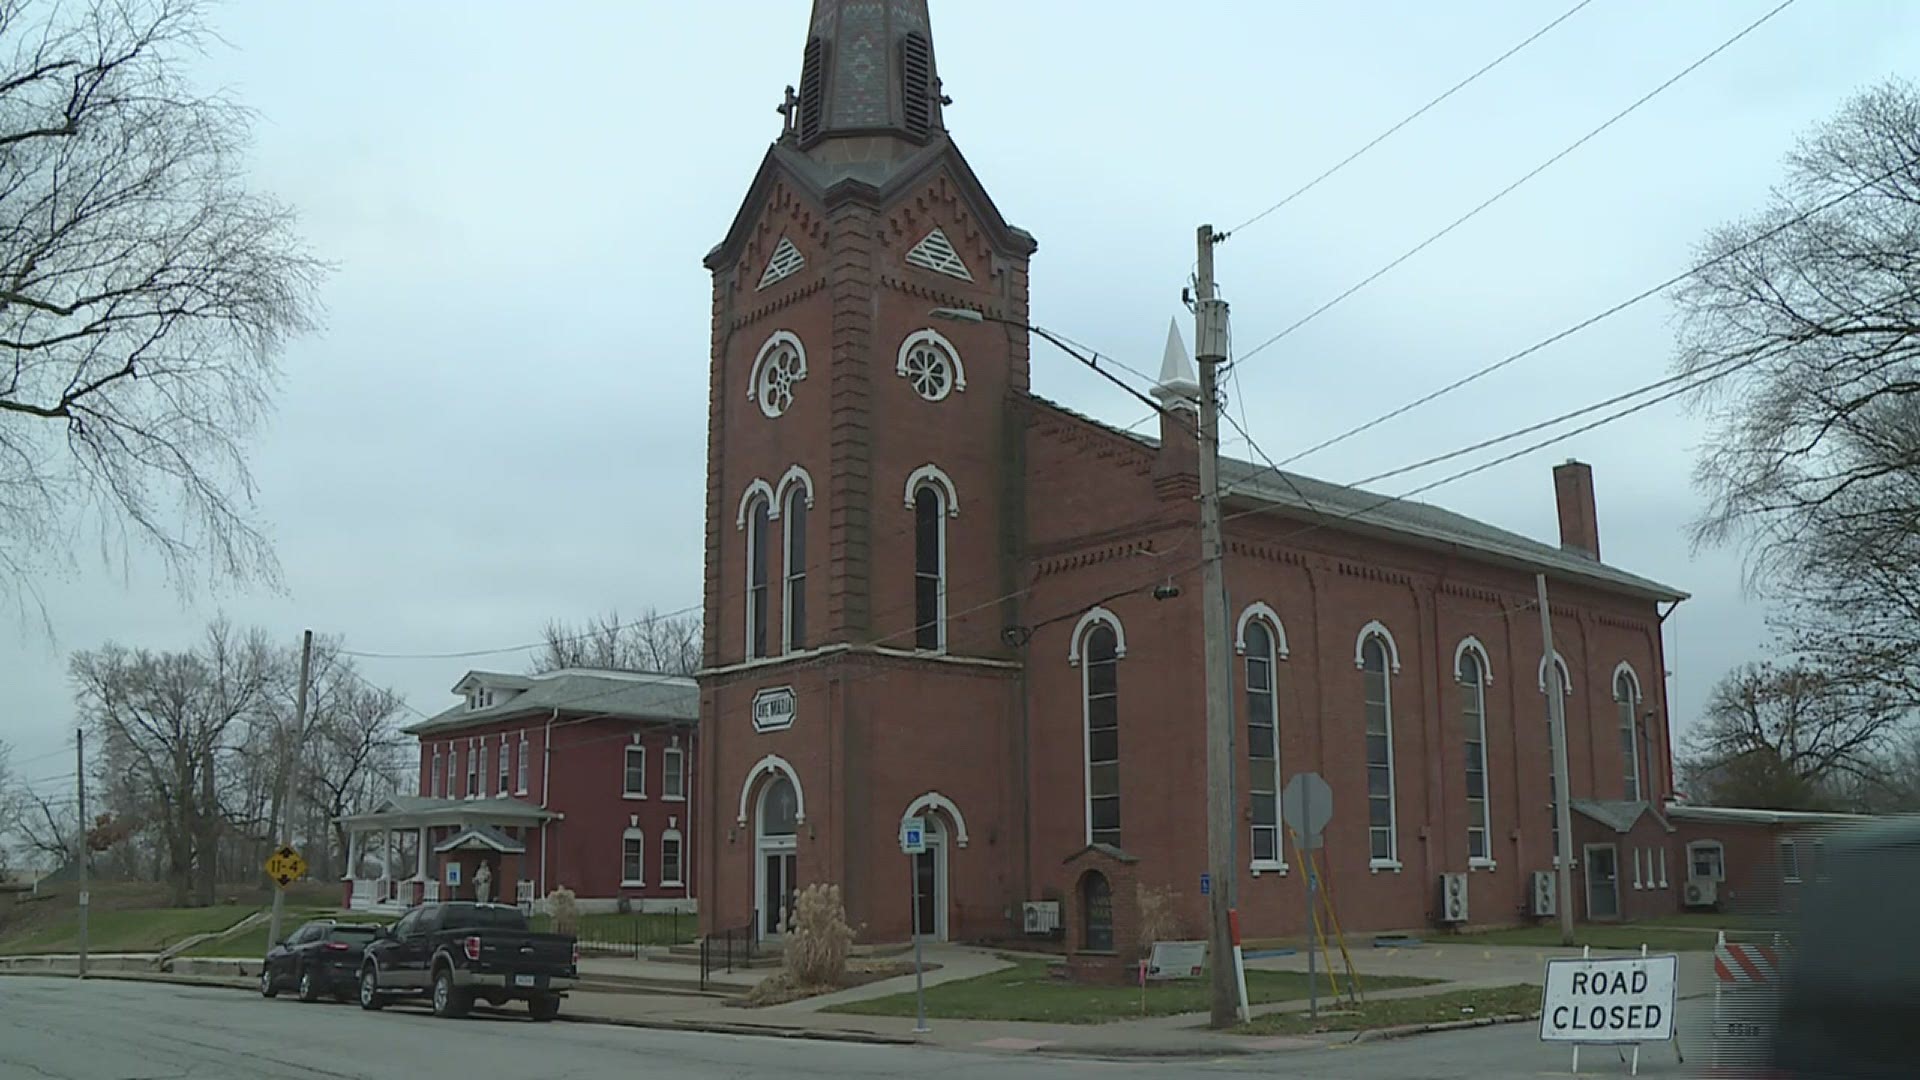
(420, 854)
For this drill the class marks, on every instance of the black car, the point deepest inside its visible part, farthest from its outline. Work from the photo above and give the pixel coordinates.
(457, 952)
(320, 958)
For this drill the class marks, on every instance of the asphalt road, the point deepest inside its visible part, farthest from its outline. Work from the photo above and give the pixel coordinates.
(60, 1029)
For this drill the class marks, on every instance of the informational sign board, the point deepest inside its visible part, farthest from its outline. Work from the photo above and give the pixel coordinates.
(773, 709)
(913, 836)
(1177, 960)
(1306, 805)
(285, 866)
(453, 874)
(1613, 1001)
(1206, 884)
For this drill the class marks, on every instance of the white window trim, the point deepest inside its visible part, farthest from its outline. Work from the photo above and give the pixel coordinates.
(1472, 644)
(933, 337)
(774, 763)
(1392, 861)
(755, 487)
(521, 765)
(679, 878)
(680, 757)
(1376, 628)
(1271, 622)
(778, 337)
(1259, 610)
(486, 777)
(1566, 674)
(1083, 627)
(1663, 867)
(1483, 864)
(1717, 846)
(1269, 866)
(747, 551)
(434, 778)
(1633, 724)
(795, 474)
(473, 770)
(942, 490)
(504, 774)
(641, 838)
(1637, 853)
(786, 561)
(627, 755)
(1096, 615)
(1781, 847)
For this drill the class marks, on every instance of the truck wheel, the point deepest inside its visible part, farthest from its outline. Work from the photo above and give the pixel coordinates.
(544, 1007)
(309, 989)
(449, 1001)
(370, 988)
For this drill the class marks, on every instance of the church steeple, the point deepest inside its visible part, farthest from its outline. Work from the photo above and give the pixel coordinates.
(867, 71)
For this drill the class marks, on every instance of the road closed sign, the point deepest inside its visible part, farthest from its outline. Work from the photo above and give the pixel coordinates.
(1627, 1000)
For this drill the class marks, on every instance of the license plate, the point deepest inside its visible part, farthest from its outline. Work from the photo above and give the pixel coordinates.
(523, 980)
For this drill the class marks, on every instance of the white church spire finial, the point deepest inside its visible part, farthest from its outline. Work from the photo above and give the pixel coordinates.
(1179, 384)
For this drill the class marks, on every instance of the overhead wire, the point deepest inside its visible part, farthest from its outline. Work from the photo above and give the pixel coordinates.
(1510, 188)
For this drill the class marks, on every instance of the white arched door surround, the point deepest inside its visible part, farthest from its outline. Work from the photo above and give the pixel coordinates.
(930, 882)
(776, 831)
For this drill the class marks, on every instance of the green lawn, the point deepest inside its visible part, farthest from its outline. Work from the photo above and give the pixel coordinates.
(1026, 991)
(253, 940)
(1519, 999)
(1655, 937)
(127, 930)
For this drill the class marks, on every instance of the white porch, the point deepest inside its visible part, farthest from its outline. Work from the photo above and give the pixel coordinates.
(411, 849)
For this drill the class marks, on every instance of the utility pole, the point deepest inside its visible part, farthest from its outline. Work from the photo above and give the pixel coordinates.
(286, 800)
(80, 779)
(1562, 812)
(1210, 350)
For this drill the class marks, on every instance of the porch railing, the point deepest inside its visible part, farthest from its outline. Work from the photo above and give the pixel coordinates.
(720, 950)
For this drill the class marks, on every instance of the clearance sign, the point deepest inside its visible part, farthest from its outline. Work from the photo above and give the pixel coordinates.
(1628, 1000)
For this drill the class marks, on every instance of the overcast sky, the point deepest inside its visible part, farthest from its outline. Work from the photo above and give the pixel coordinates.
(502, 420)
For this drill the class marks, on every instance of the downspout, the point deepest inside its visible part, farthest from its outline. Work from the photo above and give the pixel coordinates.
(546, 786)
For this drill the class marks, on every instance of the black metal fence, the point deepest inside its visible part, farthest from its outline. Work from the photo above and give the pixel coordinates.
(616, 934)
(722, 949)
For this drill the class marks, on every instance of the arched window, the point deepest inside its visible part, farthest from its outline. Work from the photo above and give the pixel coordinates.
(1626, 699)
(779, 809)
(793, 599)
(1096, 912)
(1470, 671)
(1565, 680)
(759, 512)
(1100, 692)
(929, 566)
(1383, 836)
(1263, 745)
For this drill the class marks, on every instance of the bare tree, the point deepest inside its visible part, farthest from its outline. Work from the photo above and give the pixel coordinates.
(1791, 738)
(1814, 327)
(168, 715)
(145, 292)
(355, 752)
(652, 642)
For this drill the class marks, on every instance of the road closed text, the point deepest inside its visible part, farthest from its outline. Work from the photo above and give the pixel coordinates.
(1609, 1001)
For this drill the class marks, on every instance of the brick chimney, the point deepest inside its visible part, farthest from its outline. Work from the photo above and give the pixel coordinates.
(1579, 523)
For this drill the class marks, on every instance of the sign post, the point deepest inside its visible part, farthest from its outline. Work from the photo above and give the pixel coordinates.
(1622, 1001)
(913, 843)
(1307, 802)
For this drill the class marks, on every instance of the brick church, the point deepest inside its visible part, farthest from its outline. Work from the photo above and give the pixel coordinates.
(930, 592)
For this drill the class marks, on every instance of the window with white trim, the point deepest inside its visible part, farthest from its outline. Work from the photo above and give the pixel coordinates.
(473, 770)
(1382, 810)
(633, 784)
(777, 372)
(1263, 746)
(434, 776)
(633, 859)
(1473, 726)
(759, 524)
(1553, 774)
(1706, 861)
(673, 775)
(453, 769)
(520, 781)
(506, 764)
(1626, 699)
(1789, 862)
(482, 791)
(929, 566)
(793, 600)
(1100, 696)
(670, 858)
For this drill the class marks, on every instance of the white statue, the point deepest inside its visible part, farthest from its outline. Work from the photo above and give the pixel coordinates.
(483, 884)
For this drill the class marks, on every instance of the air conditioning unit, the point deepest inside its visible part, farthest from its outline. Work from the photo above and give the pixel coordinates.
(1453, 898)
(1545, 892)
(1701, 892)
(1040, 917)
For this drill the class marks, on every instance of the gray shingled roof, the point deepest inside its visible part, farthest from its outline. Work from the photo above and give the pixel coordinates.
(1617, 814)
(437, 811)
(621, 694)
(1357, 510)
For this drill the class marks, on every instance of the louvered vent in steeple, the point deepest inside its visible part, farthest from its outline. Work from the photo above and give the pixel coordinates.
(916, 84)
(813, 89)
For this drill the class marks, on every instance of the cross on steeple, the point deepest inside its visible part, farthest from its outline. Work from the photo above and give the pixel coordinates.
(789, 111)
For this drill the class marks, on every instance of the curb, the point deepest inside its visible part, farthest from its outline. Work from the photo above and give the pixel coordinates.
(1405, 1030)
(764, 1031)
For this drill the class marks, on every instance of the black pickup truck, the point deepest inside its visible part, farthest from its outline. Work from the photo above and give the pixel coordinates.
(456, 952)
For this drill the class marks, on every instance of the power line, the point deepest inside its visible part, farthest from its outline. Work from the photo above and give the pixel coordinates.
(1602, 315)
(1510, 188)
(1410, 118)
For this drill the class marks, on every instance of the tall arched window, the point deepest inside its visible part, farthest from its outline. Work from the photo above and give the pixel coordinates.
(1562, 677)
(1626, 699)
(793, 600)
(929, 567)
(1099, 672)
(758, 526)
(1263, 745)
(1473, 726)
(1383, 838)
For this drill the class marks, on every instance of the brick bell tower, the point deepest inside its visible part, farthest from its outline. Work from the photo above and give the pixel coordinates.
(865, 510)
